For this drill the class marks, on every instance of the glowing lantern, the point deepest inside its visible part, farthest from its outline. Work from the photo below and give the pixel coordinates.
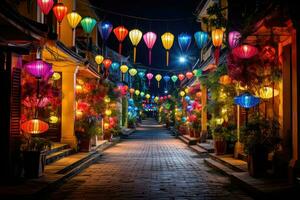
(142, 94)
(167, 40)
(141, 74)
(225, 80)
(73, 19)
(219, 121)
(174, 78)
(108, 112)
(137, 92)
(149, 39)
(181, 77)
(123, 69)
(197, 72)
(38, 68)
(79, 89)
(217, 39)
(120, 33)
(105, 29)
(60, 11)
(131, 91)
(53, 119)
(98, 60)
(135, 36)
(132, 72)
(148, 96)
(268, 93)
(45, 5)
(156, 99)
(184, 41)
(246, 100)
(106, 99)
(186, 90)
(245, 51)
(181, 93)
(107, 63)
(115, 65)
(106, 125)
(201, 39)
(198, 94)
(189, 75)
(34, 126)
(166, 78)
(88, 24)
(234, 38)
(149, 77)
(158, 77)
(56, 76)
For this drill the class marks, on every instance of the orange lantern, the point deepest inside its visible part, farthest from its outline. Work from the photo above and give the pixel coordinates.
(189, 75)
(131, 91)
(34, 126)
(217, 39)
(121, 33)
(107, 62)
(225, 80)
(198, 94)
(60, 11)
(181, 77)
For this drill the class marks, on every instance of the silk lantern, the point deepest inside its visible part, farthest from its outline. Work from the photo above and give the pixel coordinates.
(225, 80)
(149, 77)
(60, 11)
(158, 77)
(142, 94)
(38, 68)
(166, 79)
(267, 93)
(189, 75)
(197, 72)
(181, 77)
(246, 100)
(135, 36)
(115, 66)
(34, 126)
(217, 39)
(45, 5)
(88, 24)
(245, 51)
(201, 38)
(120, 33)
(149, 39)
(184, 41)
(167, 40)
(107, 63)
(99, 59)
(174, 79)
(105, 28)
(73, 20)
(234, 38)
(137, 92)
(123, 69)
(132, 72)
(131, 91)
(141, 74)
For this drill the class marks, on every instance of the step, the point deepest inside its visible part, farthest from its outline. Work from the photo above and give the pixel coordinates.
(198, 149)
(207, 146)
(243, 156)
(233, 163)
(188, 140)
(50, 158)
(218, 166)
(55, 147)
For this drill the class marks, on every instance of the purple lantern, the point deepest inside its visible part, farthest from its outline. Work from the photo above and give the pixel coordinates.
(48, 75)
(38, 68)
(105, 28)
(234, 38)
(184, 41)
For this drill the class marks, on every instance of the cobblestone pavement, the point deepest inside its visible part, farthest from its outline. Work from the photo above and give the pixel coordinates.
(150, 164)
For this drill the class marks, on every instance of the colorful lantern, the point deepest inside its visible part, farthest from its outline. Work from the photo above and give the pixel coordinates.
(217, 39)
(149, 39)
(174, 78)
(120, 33)
(142, 94)
(167, 40)
(149, 77)
(108, 112)
(246, 100)
(137, 92)
(141, 74)
(38, 68)
(106, 99)
(123, 69)
(268, 93)
(225, 80)
(34, 126)
(105, 28)
(158, 77)
(166, 78)
(182, 93)
(135, 36)
(98, 60)
(132, 72)
(201, 39)
(45, 5)
(115, 66)
(73, 19)
(197, 72)
(131, 91)
(56, 76)
(245, 51)
(107, 63)
(181, 77)
(60, 11)
(198, 94)
(88, 24)
(148, 96)
(189, 75)
(184, 41)
(53, 119)
(234, 38)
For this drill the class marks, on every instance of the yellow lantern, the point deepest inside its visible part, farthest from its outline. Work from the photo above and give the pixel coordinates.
(137, 92)
(99, 59)
(53, 119)
(132, 72)
(167, 40)
(267, 93)
(123, 69)
(79, 89)
(186, 90)
(217, 37)
(182, 93)
(147, 96)
(156, 99)
(219, 121)
(106, 99)
(108, 112)
(158, 78)
(56, 76)
(225, 80)
(73, 19)
(79, 114)
(106, 125)
(135, 36)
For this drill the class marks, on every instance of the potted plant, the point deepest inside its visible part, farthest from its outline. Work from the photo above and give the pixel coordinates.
(230, 137)
(219, 139)
(34, 152)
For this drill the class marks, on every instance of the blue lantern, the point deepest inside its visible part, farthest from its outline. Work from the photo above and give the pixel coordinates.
(105, 28)
(131, 102)
(201, 38)
(115, 66)
(184, 41)
(166, 78)
(183, 119)
(141, 74)
(187, 98)
(246, 100)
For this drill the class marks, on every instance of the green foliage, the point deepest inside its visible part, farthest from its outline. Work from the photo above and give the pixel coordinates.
(35, 143)
(215, 17)
(88, 127)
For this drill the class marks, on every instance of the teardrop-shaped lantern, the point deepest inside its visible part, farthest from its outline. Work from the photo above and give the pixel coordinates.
(189, 75)
(105, 28)
(158, 77)
(181, 77)
(245, 51)
(166, 78)
(141, 74)
(197, 72)
(34, 126)
(234, 38)
(99, 59)
(184, 41)
(149, 77)
(137, 92)
(120, 33)
(135, 36)
(149, 39)
(107, 63)
(142, 94)
(73, 19)
(132, 72)
(201, 38)
(217, 39)
(60, 11)
(167, 40)
(174, 78)
(88, 24)
(115, 66)
(123, 69)
(38, 68)
(45, 6)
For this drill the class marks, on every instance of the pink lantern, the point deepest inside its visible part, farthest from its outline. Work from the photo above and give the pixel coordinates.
(234, 38)
(169, 96)
(38, 68)
(149, 77)
(245, 51)
(181, 77)
(149, 39)
(189, 75)
(45, 5)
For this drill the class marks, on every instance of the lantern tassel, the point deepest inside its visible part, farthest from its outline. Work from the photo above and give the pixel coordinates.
(134, 54)
(98, 68)
(150, 56)
(120, 48)
(158, 84)
(217, 55)
(167, 58)
(122, 77)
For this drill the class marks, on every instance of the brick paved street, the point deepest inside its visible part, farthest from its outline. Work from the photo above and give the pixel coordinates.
(150, 164)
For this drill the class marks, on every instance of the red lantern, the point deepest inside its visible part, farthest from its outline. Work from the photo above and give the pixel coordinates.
(45, 5)
(121, 33)
(181, 77)
(34, 126)
(60, 11)
(189, 75)
(199, 94)
(107, 63)
(245, 51)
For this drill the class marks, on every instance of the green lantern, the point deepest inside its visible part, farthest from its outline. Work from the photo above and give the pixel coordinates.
(142, 94)
(197, 72)
(174, 78)
(88, 24)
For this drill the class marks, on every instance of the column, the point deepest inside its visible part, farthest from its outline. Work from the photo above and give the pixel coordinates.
(203, 114)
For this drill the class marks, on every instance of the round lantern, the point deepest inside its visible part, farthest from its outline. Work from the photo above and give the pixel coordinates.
(131, 91)
(132, 72)
(268, 93)
(106, 99)
(45, 5)
(148, 96)
(38, 68)
(181, 77)
(234, 38)
(225, 80)
(198, 94)
(115, 66)
(182, 93)
(197, 72)
(60, 11)
(245, 51)
(34, 126)
(184, 41)
(56, 76)
(158, 77)
(166, 79)
(88, 24)
(189, 75)
(246, 100)
(105, 28)
(53, 119)
(108, 112)
(167, 40)
(186, 90)
(73, 19)
(123, 69)
(121, 33)
(174, 78)
(201, 39)
(141, 74)
(217, 37)
(98, 60)
(137, 92)
(107, 63)
(135, 36)
(149, 77)
(149, 39)
(142, 94)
